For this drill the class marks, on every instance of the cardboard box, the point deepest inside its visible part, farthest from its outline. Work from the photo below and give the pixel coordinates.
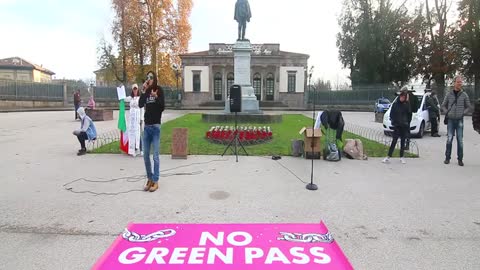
(312, 135)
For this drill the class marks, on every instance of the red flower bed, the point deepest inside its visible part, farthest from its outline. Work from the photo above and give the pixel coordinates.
(246, 135)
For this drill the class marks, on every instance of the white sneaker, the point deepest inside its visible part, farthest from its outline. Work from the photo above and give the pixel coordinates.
(386, 160)
(141, 153)
(403, 160)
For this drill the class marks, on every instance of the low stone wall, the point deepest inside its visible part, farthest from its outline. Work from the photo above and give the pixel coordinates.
(357, 108)
(195, 98)
(293, 100)
(32, 104)
(17, 104)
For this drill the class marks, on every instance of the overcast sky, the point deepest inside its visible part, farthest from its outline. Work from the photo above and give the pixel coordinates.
(63, 35)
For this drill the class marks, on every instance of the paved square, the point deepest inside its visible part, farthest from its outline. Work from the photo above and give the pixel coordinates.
(423, 215)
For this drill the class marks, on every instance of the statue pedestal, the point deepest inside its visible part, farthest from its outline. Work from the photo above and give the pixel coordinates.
(242, 51)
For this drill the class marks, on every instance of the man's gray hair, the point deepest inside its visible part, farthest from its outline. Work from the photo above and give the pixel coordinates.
(456, 77)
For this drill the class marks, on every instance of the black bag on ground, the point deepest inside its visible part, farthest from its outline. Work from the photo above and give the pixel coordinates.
(331, 151)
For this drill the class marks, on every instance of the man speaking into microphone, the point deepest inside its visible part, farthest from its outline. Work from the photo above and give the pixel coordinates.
(153, 100)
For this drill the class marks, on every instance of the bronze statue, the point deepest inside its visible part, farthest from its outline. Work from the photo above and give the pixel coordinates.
(242, 16)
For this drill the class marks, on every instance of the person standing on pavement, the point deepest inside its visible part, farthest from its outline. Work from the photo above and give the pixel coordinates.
(77, 101)
(414, 104)
(399, 116)
(135, 121)
(153, 100)
(455, 105)
(433, 113)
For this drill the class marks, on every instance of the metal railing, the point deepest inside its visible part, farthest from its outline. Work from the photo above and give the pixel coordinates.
(380, 137)
(108, 93)
(20, 90)
(16, 90)
(104, 139)
(367, 95)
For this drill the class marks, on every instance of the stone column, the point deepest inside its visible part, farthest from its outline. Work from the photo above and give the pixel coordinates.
(263, 77)
(65, 95)
(210, 84)
(224, 84)
(276, 93)
(242, 69)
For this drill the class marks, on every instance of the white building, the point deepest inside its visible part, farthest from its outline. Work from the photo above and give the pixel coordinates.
(278, 77)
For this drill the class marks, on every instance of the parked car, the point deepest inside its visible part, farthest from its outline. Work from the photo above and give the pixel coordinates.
(420, 119)
(382, 105)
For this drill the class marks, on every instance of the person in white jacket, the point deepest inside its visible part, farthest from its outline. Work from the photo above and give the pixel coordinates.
(135, 122)
(87, 131)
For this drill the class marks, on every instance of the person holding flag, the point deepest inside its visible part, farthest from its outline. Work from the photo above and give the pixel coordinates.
(135, 119)
(122, 123)
(153, 100)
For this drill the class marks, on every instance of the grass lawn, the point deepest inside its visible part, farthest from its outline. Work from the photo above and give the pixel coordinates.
(283, 133)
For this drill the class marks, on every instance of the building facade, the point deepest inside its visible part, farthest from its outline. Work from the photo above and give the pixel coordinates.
(278, 77)
(17, 69)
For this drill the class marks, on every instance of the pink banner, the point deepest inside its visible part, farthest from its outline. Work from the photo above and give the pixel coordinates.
(224, 247)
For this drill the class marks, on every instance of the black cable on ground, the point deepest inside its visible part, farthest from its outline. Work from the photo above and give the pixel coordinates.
(136, 178)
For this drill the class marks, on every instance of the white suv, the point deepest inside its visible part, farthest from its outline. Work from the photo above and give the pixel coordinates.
(420, 119)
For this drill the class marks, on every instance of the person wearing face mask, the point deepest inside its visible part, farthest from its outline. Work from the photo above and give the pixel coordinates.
(400, 116)
(135, 120)
(87, 131)
(153, 100)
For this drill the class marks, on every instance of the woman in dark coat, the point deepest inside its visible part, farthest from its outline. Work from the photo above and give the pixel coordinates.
(400, 117)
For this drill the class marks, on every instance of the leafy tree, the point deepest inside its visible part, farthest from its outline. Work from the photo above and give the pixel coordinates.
(376, 42)
(148, 34)
(467, 35)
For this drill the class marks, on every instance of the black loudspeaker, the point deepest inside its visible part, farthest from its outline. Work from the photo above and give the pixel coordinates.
(235, 98)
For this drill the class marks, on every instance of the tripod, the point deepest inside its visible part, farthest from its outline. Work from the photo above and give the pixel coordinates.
(236, 140)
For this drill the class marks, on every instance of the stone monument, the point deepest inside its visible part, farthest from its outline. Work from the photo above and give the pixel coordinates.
(242, 16)
(242, 51)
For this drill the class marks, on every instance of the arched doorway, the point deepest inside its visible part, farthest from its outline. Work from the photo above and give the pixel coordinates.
(217, 87)
(270, 87)
(257, 85)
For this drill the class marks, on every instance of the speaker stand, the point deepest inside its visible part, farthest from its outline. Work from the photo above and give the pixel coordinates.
(236, 141)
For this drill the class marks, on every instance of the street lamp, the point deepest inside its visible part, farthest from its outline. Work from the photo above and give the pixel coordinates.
(90, 88)
(176, 69)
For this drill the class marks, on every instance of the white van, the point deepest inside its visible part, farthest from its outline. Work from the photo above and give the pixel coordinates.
(420, 119)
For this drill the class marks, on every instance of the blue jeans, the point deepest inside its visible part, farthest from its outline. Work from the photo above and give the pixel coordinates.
(455, 126)
(151, 139)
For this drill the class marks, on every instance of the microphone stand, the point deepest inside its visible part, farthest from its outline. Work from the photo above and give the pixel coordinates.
(311, 185)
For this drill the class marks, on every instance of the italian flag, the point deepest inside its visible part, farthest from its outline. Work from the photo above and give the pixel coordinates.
(122, 126)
